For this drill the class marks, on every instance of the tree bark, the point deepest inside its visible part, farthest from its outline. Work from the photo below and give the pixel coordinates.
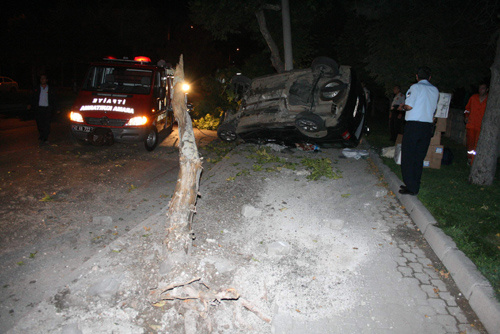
(275, 53)
(485, 162)
(183, 204)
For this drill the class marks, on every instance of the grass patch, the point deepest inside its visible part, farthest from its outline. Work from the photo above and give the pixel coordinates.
(321, 167)
(216, 150)
(468, 213)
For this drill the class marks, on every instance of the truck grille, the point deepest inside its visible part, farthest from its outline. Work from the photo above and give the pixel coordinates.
(105, 121)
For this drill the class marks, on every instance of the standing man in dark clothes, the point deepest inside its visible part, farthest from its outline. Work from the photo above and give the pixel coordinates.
(43, 104)
(420, 105)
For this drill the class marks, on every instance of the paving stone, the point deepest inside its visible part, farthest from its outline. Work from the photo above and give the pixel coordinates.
(417, 267)
(418, 252)
(439, 284)
(414, 290)
(427, 310)
(431, 272)
(401, 260)
(439, 305)
(429, 289)
(457, 313)
(423, 278)
(406, 271)
(410, 256)
(448, 298)
(405, 247)
(425, 262)
(449, 322)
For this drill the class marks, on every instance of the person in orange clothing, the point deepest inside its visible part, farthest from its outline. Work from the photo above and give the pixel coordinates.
(474, 112)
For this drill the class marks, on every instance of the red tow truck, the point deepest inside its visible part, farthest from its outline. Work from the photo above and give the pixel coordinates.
(125, 101)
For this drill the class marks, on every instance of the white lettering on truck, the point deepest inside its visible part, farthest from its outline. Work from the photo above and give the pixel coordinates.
(106, 100)
(107, 108)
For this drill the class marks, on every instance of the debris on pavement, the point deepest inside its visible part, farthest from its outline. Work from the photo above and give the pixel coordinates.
(354, 153)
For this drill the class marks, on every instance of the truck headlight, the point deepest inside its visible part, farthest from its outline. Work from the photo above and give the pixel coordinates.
(76, 117)
(137, 121)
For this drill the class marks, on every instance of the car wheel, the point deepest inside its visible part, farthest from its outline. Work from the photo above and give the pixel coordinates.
(309, 123)
(227, 132)
(151, 139)
(13, 90)
(325, 65)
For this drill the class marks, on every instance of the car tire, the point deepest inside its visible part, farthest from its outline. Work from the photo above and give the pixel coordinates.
(227, 132)
(151, 139)
(325, 65)
(309, 123)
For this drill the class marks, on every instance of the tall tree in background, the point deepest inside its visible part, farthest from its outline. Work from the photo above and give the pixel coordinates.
(485, 163)
(223, 18)
(313, 23)
(452, 37)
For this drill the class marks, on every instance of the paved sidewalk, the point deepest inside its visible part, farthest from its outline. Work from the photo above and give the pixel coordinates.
(330, 256)
(472, 284)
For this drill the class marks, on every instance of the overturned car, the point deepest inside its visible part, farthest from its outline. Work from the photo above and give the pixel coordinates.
(322, 104)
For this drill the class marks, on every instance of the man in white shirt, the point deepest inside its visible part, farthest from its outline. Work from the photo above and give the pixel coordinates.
(420, 105)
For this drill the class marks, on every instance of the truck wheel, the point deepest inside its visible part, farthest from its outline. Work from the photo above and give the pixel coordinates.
(151, 139)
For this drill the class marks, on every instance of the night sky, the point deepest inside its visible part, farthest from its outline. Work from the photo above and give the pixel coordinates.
(62, 37)
(384, 39)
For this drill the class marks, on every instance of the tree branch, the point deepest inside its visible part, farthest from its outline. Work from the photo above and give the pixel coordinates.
(275, 53)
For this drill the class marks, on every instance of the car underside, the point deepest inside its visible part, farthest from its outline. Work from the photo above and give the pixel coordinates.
(322, 104)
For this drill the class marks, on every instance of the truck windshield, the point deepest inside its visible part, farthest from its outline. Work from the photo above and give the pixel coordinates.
(118, 80)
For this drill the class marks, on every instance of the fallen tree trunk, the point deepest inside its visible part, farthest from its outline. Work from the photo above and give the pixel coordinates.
(177, 243)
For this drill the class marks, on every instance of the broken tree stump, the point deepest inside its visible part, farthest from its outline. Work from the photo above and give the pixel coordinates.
(177, 243)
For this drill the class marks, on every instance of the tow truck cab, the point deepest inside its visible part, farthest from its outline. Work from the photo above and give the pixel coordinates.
(125, 101)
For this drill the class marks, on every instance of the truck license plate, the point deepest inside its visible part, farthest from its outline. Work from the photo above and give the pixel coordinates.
(81, 128)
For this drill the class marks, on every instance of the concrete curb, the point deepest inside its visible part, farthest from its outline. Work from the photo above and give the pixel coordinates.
(469, 280)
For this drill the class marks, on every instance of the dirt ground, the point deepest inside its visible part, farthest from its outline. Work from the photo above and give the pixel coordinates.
(62, 203)
(326, 256)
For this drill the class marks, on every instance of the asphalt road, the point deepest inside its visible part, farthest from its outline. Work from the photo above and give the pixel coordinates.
(62, 203)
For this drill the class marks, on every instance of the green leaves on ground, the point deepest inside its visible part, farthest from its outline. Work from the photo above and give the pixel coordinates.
(321, 167)
(46, 198)
(216, 150)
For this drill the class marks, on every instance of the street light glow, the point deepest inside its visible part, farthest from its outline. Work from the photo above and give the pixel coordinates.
(185, 87)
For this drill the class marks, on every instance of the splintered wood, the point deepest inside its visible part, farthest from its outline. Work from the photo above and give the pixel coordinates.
(196, 289)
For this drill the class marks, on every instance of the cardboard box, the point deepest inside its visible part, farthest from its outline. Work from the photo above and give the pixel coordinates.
(397, 149)
(434, 157)
(443, 105)
(436, 139)
(441, 125)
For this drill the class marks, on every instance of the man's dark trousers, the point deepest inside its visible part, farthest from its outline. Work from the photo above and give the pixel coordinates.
(416, 139)
(43, 115)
